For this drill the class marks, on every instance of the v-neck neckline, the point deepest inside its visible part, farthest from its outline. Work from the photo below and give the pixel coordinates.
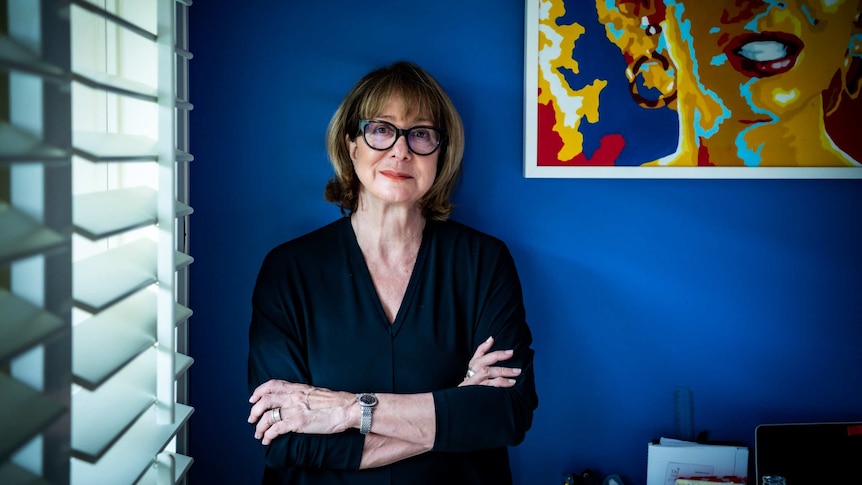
(360, 268)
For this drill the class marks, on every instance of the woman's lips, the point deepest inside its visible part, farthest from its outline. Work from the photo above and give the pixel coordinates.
(395, 175)
(765, 54)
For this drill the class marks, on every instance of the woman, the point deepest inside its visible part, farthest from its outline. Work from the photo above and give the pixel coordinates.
(747, 77)
(391, 346)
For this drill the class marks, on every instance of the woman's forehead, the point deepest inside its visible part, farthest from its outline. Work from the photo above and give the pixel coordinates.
(399, 105)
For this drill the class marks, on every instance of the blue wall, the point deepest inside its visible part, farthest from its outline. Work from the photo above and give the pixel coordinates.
(748, 291)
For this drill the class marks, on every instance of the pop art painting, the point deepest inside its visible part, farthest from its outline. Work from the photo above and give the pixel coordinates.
(693, 88)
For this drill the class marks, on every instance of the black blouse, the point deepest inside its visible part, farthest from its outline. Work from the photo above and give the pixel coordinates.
(316, 319)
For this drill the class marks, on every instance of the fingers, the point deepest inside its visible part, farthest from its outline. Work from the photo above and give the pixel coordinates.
(276, 393)
(494, 376)
(483, 365)
(274, 432)
(267, 387)
(274, 386)
(263, 404)
(483, 348)
(280, 407)
(502, 372)
(481, 368)
(499, 382)
(268, 420)
(262, 399)
(496, 356)
(268, 430)
(497, 375)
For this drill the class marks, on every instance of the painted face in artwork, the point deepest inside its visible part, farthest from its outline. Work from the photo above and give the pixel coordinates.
(756, 60)
(752, 81)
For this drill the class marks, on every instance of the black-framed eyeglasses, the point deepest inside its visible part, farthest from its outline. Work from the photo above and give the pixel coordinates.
(382, 135)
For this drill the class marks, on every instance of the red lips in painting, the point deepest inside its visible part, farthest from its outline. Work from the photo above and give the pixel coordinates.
(764, 54)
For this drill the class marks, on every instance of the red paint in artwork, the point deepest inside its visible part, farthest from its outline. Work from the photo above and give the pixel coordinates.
(549, 143)
(703, 156)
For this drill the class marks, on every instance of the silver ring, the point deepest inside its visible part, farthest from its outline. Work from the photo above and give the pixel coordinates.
(275, 414)
(470, 372)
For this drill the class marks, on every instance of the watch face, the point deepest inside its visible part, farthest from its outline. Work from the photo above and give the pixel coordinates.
(367, 399)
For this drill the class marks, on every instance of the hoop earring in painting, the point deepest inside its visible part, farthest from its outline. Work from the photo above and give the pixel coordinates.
(652, 29)
(637, 69)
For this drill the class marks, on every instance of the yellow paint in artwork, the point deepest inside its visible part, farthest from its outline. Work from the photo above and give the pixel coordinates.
(785, 97)
(556, 51)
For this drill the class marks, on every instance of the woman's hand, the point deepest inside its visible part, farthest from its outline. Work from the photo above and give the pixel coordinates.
(481, 369)
(281, 407)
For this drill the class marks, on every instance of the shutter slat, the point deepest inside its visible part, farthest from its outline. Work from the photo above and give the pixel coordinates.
(102, 416)
(15, 57)
(129, 458)
(114, 147)
(183, 209)
(21, 236)
(23, 325)
(181, 260)
(182, 363)
(12, 474)
(117, 147)
(108, 341)
(184, 53)
(181, 313)
(115, 19)
(102, 280)
(25, 412)
(101, 214)
(17, 146)
(182, 156)
(115, 84)
(182, 463)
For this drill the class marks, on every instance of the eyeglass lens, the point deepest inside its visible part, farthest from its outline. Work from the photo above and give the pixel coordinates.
(382, 135)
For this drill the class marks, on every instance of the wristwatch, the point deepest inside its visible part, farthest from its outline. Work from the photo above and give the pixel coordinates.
(367, 400)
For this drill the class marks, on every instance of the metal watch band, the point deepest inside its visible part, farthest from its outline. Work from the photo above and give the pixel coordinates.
(365, 421)
(367, 400)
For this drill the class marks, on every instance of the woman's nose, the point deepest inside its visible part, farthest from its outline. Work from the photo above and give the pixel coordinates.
(401, 148)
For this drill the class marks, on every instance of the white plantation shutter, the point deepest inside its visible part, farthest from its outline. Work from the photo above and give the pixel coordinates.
(93, 241)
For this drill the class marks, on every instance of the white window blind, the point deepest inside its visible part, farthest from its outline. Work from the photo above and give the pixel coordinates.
(94, 241)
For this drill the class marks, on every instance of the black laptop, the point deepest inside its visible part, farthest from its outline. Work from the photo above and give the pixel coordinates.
(810, 453)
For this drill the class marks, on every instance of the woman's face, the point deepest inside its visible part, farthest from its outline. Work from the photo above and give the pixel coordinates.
(758, 60)
(395, 175)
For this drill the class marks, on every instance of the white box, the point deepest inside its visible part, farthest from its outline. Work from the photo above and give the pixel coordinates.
(672, 459)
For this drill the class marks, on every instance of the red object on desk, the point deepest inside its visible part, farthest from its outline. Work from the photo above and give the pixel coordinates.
(706, 480)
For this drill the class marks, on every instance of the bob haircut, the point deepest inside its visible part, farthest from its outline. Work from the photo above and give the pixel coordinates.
(420, 94)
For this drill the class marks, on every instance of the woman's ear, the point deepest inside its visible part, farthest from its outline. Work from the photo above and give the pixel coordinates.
(351, 147)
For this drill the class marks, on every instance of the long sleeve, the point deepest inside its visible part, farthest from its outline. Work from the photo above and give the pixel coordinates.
(479, 417)
(277, 351)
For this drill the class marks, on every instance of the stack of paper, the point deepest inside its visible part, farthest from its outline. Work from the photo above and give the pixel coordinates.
(669, 460)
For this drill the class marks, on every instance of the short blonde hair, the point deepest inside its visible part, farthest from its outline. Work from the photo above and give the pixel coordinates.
(420, 93)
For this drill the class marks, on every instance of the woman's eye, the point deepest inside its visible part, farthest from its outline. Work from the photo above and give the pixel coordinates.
(421, 134)
(382, 129)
